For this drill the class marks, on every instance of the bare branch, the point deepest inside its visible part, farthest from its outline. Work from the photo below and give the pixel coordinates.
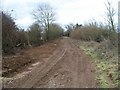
(44, 15)
(110, 14)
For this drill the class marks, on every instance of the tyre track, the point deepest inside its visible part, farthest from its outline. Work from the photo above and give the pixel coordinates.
(39, 71)
(68, 67)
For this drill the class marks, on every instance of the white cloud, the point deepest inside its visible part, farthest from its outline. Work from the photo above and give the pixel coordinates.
(68, 11)
(24, 22)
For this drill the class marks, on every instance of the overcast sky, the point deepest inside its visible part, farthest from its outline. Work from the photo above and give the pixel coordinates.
(68, 11)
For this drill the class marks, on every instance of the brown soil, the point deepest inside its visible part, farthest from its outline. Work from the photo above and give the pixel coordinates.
(56, 66)
(14, 64)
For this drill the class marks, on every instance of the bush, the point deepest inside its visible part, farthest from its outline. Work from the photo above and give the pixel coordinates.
(9, 36)
(34, 34)
(12, 37)
(22, 38)
(95, 33)
(55, 31)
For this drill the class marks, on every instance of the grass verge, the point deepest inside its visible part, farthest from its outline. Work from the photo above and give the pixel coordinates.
(106, 63)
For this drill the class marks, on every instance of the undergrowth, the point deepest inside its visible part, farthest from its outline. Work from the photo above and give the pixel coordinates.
(106, 60)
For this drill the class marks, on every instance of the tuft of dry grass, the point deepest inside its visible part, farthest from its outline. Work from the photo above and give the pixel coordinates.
(95, 33)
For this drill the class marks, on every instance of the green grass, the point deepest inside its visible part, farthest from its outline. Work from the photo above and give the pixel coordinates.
(106, 70)
(103, 82)
(100, 66)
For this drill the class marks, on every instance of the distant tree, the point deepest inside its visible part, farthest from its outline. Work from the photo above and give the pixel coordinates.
(78, 26)
(44, 15)
(69, 28)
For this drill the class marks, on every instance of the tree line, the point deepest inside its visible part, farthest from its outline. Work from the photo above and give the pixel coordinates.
(42, 30)
(94, 31)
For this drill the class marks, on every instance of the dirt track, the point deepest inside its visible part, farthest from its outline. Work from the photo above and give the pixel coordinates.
(68, 67)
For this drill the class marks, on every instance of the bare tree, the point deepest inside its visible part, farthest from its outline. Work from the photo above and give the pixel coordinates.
(110, 14)
(44, 15)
